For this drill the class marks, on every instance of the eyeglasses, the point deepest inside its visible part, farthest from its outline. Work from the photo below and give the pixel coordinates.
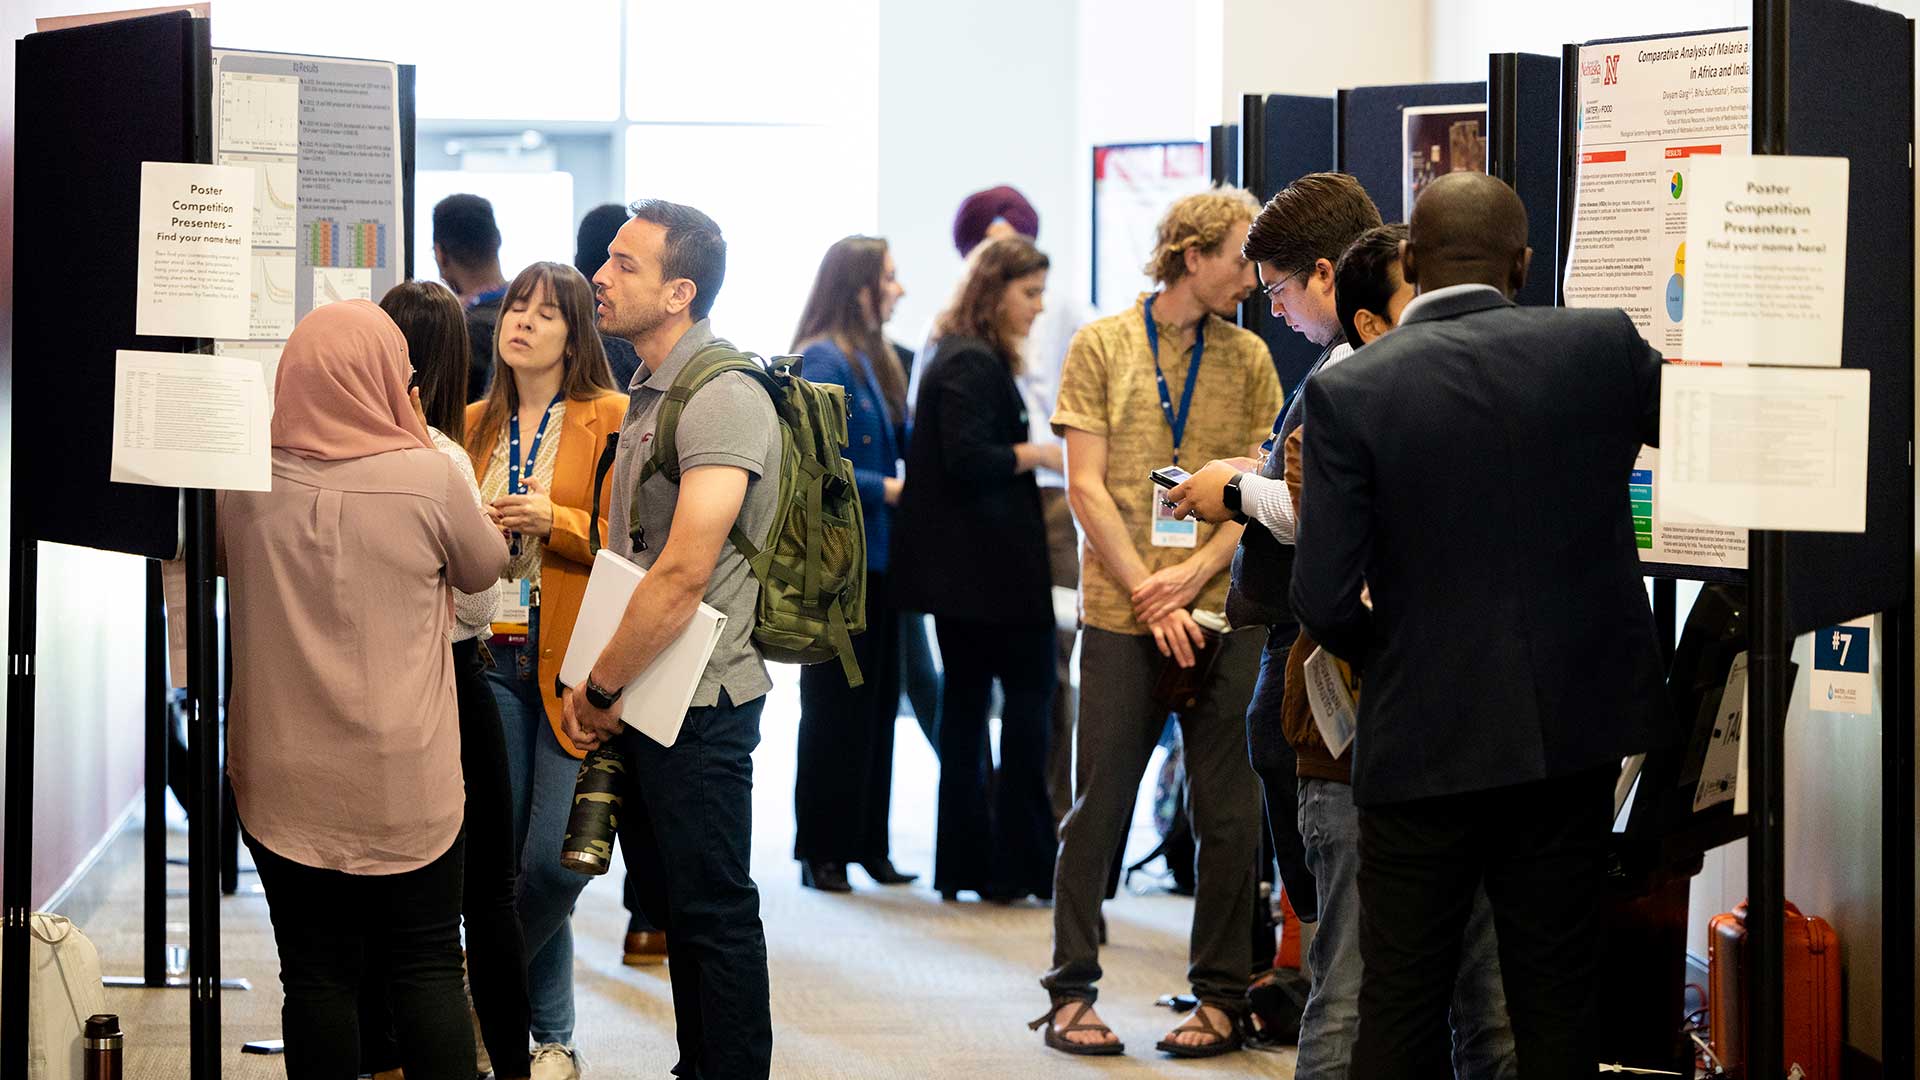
(1273, 290)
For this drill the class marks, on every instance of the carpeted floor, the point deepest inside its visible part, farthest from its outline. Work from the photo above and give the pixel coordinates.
(882, 983)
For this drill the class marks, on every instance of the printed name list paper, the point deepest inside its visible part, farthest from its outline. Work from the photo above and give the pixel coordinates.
(185, 420)
(1768, 252)
(1765, 448)
(196, 233)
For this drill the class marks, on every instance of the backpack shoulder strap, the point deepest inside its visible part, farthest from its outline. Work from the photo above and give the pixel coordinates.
(716, 358)
(600, 470)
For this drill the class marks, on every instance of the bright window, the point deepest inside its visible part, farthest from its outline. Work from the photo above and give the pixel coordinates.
(534, 211)
(477, 60)
(781, 196)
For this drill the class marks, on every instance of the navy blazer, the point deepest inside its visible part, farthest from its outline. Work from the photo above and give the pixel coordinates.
(874, 440)
(1471, 468)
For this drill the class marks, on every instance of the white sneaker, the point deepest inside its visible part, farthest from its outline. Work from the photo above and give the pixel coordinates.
(553, 1061)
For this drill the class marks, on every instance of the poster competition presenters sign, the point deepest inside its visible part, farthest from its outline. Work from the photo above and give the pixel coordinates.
(1648, 110)
(196, 225)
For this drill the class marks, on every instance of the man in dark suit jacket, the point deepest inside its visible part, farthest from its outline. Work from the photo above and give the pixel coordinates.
(1470, 470)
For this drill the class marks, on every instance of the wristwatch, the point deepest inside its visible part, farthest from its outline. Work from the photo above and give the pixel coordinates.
(599, 696)
(1230, 496)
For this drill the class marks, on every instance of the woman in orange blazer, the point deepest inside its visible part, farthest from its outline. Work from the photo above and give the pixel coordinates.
(535, 440)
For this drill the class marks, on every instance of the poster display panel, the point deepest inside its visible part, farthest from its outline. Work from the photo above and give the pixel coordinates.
(1436, 140)
(322, 136)
(1132, 187)
(1647, 109)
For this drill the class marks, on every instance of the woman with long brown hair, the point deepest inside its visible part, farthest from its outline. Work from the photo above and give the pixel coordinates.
(843, 781)
(535, 441)
(972, 552)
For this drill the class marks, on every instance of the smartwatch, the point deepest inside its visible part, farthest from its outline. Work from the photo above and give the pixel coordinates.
(1230, 496)
(600, 697)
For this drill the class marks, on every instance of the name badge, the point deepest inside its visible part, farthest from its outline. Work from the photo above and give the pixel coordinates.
(517, 598)
(1170, 531)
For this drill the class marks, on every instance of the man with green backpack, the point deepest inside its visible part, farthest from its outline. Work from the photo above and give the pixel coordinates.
(729, 488)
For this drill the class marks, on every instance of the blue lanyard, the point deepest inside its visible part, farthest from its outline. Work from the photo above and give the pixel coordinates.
(515, 485)
(1176, 421)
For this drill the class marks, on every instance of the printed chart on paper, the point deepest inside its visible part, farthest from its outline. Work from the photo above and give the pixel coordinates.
(1647, 110)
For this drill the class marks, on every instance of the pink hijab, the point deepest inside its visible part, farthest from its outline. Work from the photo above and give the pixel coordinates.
(341, 391)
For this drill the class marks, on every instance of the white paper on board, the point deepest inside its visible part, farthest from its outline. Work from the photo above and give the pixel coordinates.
(271, 297)
(196, 230)
(186, 420)
(1767, 261)
(1764, 448)
(264, 353)
(1726, 749)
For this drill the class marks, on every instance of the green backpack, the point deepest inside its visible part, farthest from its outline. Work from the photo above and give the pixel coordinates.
(812, 564)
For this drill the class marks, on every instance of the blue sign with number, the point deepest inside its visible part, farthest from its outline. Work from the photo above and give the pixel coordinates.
(1841, 648)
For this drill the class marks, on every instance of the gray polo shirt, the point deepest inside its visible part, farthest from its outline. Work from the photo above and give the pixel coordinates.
(729, 422)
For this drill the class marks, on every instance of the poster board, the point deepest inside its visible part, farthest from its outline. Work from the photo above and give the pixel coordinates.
(78, 148)
(1133, 184)
(1436, 140)
(1645, 110)
(323, 136)
(1292, 136)
(1372, 140)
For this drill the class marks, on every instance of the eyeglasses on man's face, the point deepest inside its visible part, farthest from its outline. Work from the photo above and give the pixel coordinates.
(1273, 290)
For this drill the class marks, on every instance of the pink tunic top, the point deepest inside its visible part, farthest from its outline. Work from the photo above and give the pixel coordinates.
(344, 738)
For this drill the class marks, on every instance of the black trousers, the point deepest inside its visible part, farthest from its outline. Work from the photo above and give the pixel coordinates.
(687, 834)
(1006, 848)
(1540, 851)
(843, 778)
(496, 948)
(329, 926)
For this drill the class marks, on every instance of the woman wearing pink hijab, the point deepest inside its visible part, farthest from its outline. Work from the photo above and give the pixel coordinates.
(344, 745)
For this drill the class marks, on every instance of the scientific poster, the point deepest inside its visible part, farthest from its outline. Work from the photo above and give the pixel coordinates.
(1647, 110)
(322, 136)
(1132, 187)
(1436, 140)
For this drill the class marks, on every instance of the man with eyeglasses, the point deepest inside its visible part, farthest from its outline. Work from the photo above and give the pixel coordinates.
(1294, 243)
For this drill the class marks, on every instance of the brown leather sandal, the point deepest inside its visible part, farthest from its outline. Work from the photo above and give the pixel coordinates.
(1057, 1041)
(1223, 1042)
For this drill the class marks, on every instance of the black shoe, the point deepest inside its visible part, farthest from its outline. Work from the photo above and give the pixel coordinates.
(825, 876)
(882, 872)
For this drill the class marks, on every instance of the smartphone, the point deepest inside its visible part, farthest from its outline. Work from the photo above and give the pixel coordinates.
(1171, 477)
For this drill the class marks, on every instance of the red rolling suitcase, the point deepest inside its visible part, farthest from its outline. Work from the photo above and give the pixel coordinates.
(1810, 974)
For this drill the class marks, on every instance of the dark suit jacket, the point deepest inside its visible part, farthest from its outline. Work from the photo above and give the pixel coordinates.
(969, 539)
(1472, 468)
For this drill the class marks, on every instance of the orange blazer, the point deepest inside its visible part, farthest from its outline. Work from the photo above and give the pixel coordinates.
(567, 560)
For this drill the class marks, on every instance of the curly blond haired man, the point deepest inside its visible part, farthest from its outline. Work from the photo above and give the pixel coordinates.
(1169, 382)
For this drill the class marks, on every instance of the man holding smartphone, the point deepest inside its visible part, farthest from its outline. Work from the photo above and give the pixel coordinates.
(1166, 382)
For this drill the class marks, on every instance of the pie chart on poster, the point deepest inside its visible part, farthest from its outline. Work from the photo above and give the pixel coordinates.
(1675, 184)
(1676, 292)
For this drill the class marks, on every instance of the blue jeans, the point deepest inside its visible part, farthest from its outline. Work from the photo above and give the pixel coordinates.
(1482, 1037)
(542, 776)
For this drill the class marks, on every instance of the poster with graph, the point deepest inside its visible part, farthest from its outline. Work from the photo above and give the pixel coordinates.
(323, 137)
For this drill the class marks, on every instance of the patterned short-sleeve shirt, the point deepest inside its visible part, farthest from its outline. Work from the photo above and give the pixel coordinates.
(1108, 388)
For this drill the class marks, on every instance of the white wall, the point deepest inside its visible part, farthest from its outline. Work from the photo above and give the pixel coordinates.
(972, 96)
(1272, 48)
